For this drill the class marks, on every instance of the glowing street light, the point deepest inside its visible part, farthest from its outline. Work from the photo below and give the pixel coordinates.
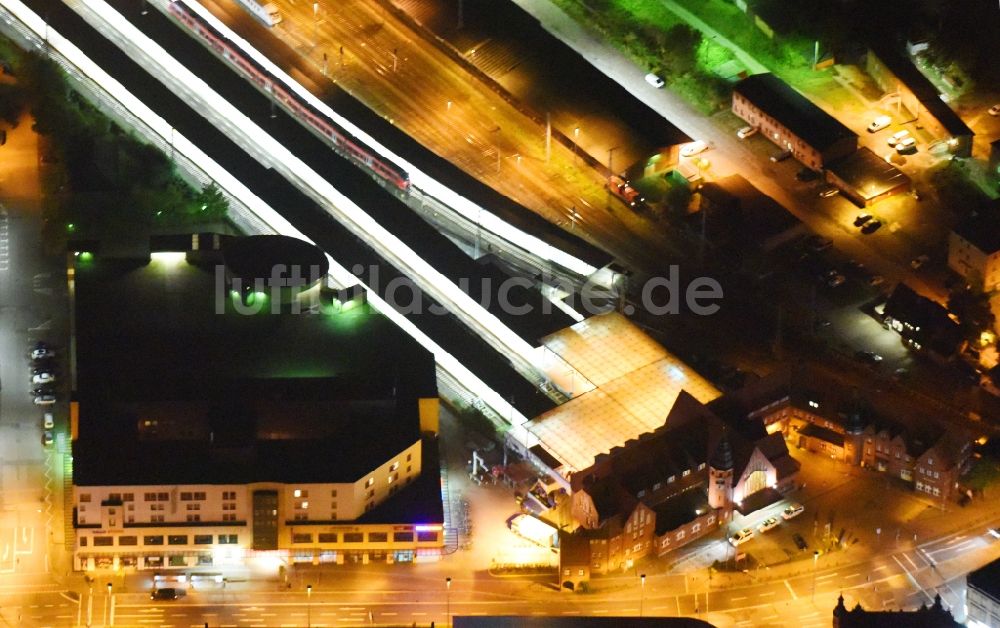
(642, 596)
(447, 584)
(309, 594)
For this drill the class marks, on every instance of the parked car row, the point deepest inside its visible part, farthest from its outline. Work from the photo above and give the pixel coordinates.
(43, 377)
(744, 535)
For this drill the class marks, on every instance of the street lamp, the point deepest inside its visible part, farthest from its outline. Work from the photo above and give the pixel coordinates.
(642, 595)
(815, 561)
(447, 584)
(309, 594)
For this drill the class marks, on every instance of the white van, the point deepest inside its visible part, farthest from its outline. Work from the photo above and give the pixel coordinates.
(48, 422)
(741, 537)
(654, 80)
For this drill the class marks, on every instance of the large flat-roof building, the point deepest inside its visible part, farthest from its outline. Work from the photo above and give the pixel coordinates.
(791, 121)
(983, 596)
(974, 249)
(205, 432)
(865, 178)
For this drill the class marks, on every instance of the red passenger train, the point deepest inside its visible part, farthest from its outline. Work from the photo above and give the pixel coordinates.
(341, 139)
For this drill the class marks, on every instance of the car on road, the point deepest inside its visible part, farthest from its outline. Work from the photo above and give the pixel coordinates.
(41, 390)
(896, 137)
(793, 510)
(48, 421)
(994, 110)
(828, 192)
(45, 400)
(879, 123)
(768, 524)
(906, 145)
(654, 80)
(693, 148)
(781, 156)
(47, 438)
(747, 131)
(799, 541)
(918, 262)
(871, 227)
(167, 593)
(622, 188)
(876, 280)
(818, 243)
(43, 377)
(741, 537)
(836, 280)
(862, 219)
(868, 356)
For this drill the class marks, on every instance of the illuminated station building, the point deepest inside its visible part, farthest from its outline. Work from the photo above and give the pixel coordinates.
(214, 424)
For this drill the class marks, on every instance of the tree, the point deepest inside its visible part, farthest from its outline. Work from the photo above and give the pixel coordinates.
(973, 312)
(680, 47)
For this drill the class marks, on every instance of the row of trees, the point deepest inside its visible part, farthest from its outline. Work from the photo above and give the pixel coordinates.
(109, 182)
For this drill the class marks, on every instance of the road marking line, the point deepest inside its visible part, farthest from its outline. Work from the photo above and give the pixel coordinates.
(790, 590)
(829, 575)
(766, 594)
(603, 610)
(853, 575)
(738, 598)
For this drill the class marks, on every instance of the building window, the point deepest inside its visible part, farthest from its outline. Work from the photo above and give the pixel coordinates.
(302, 537)
(394, 466)
(353, 537)
(302, 505)
(333, 493)
(658, 486)
(680, 535)
(228, 539)
(670, 479)
(194, 506)
(685, 473)
(930, 461)
(409, 457)
(83, 541)
(185, 497)
(103, 541)
(371, 493)
(229, 516)
(427, 537)
(402, 537)
(695, 528)
(327, 537)
(177, 539)
(228, 494)
(301, 516)
(156, 518)
(194, 517)
(128, 540)
(300, 493)
(84, 497)
(641, 493)
(203, 539)
(128, 497)
(152, 540)
(115, 497)
(369, 482)
(333, 515)
(229, 506)
(701, 466)
(378, 537)
(711, 519)
(163, 497)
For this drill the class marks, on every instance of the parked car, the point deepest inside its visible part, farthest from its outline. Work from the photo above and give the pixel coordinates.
(871, 227)
(818, 243)
(862, 219)
(868, 356)
(45, 400)
(747, 131)
(896, 137)
(47, 438)
(994, 110)
(794, 510)
(741, 537)
(836, 280)
(799, 541)
(654, 80)
(906, 145)
(806, 174)
(879, 123)
(781, 156)
(48, 421)
(167, 593)
(43, 378)
(41, 352)
(918, 262)
(768, 524)
(828, 192)
(693, 148)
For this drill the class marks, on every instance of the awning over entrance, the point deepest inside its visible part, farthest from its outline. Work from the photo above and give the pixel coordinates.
(761, 499)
